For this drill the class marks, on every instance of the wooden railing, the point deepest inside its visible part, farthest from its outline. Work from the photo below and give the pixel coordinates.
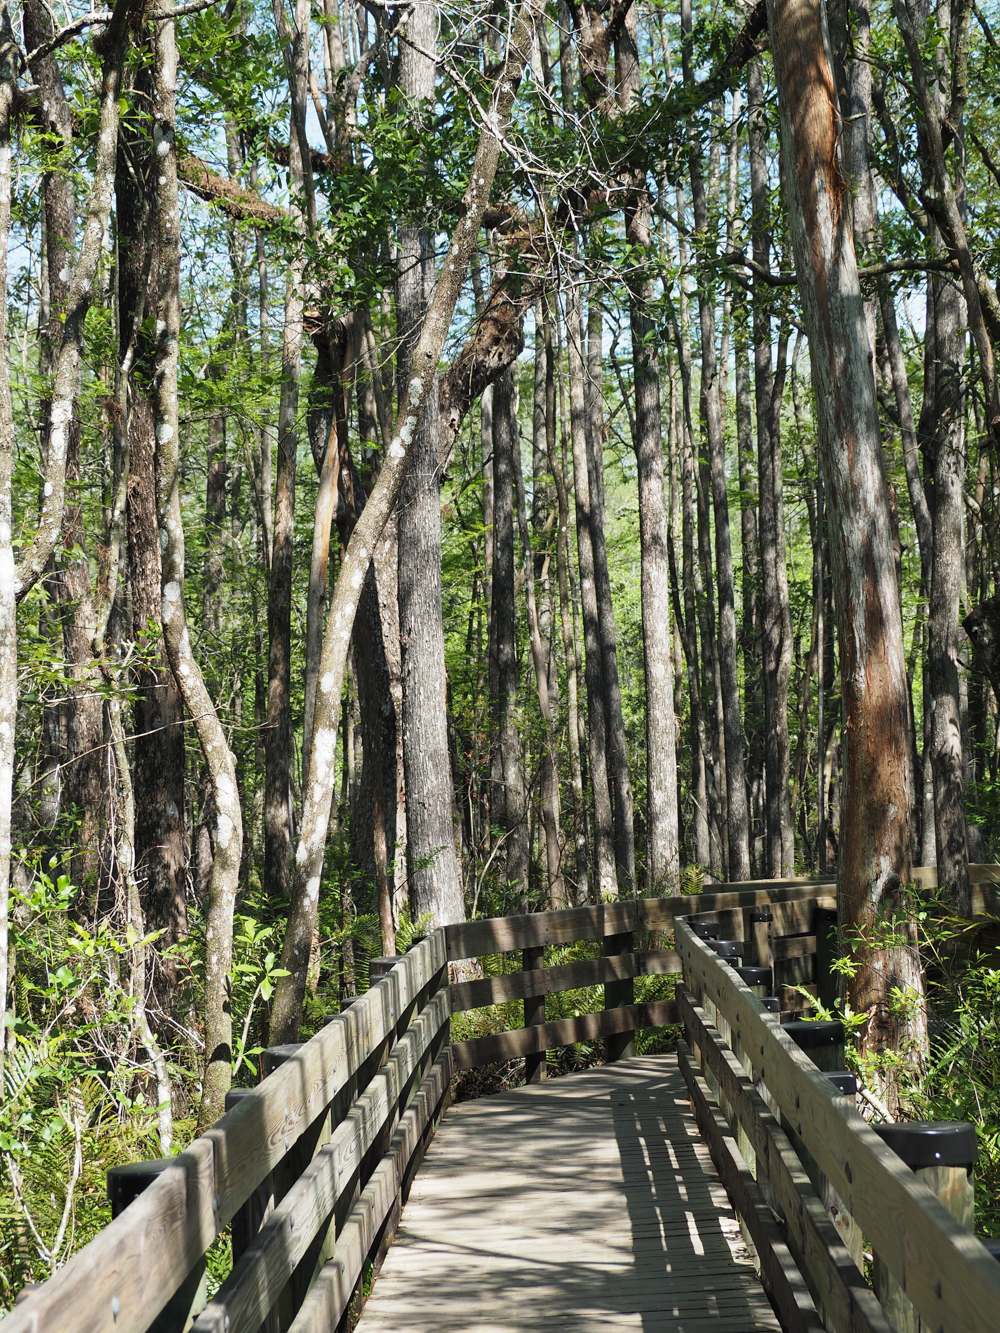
(614, 926)
(309, 1167)
(309, 1170)
(754, 1093)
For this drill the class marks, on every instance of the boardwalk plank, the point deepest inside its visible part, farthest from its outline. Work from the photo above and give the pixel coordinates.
(587, 1201)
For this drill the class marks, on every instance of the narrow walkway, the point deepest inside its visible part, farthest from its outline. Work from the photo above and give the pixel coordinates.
(588, 1201)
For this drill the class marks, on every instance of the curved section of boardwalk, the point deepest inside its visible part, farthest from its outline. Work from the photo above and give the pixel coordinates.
(588, 1201)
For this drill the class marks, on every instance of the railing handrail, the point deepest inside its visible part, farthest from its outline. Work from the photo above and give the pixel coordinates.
(943, 1268)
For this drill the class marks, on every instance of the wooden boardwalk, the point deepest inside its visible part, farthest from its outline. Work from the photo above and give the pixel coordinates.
(588, 1201)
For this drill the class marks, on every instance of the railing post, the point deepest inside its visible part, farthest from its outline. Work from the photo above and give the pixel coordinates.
(618, 995)
(942, 1154)
(126, 1183)
(826, 939)
(534, 1015)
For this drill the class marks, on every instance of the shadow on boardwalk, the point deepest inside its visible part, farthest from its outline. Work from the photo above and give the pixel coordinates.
(587, 1201)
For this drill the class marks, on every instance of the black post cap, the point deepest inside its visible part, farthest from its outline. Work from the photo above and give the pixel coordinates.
(705, 930)
(922, 1143)
(277, 1055)
(813, 1035)
(727, 948)
(756, 976)
(235, 1095)
(992, 1243)
(127, 1182)
(845, 1082)
(378, 967)
(761, 914)
(771, 1004)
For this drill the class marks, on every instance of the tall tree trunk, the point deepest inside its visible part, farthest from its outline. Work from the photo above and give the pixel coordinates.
(536, 567)
(228, 842)
(875, 851)
(8, 600)
(687, 621)
(566, 624)
(434, 876)
(662, 840)
(509, 806)
(945, 451)
(737, 818)
(604, 855)
(158, 764)
(279, 810)
(753, 702)
(617, 743)
(775, 619)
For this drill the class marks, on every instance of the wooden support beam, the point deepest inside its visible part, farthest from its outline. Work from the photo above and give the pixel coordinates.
(563, 1032)
(534, 1016)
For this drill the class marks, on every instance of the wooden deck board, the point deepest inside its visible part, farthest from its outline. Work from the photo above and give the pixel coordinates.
(587, 1201)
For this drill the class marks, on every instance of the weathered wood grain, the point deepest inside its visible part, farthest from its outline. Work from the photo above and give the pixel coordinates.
(792, 946)
(584, 1202)
(944, 1270)
(330, 1294)
(843, 1296)
(563, 1032)
(566, 976)
(782, 1279)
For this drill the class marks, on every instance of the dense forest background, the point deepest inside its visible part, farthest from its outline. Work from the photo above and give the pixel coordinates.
(599, 646)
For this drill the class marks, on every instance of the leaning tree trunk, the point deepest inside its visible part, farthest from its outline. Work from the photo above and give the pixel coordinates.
(290, 990)
(875, 855)
(228, 842)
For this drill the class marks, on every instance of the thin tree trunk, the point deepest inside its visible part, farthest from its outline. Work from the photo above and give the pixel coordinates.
(8, 599)
(604, 855)
(737, 818)
(540, 608)
(662, 840)
(509, 806)
(875, 852)
(568, 634)
(218, 757)
(775, 621)
(279, 811)
(617, 744)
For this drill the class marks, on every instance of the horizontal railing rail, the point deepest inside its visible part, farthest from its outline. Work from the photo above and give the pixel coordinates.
(754, 1091)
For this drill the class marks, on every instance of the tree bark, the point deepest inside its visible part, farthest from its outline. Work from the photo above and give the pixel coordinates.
(737, 818)
(286, 1008)
(218, 757)
(621, 780)
(435, 883)
(279, 810)
(875, 851)
(662, 840)
(775, 615)
(604, 854)
(508, 804)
